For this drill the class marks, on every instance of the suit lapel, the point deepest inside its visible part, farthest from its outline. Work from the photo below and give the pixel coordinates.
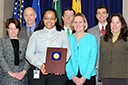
(8, 44)
(20, 44)
(98, 30)
(25, 30)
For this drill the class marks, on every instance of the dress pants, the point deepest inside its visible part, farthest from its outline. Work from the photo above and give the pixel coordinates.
(92, 81)
(49, 79)
(115, 81)
(97, 81)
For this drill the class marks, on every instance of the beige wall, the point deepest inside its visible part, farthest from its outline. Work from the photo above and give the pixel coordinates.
(6, 7)
(125, 10)
(1, 17)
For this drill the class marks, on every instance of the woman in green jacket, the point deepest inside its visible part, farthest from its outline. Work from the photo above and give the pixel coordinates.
(113, 62)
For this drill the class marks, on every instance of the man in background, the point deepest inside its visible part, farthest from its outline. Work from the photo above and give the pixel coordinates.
(98, 30)
(67, 18)
(30, 19)
(27, 31)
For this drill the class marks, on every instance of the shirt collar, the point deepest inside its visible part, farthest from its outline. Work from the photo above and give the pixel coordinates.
(100, 26)
(65, 28)
(32, 27)
(50, 31)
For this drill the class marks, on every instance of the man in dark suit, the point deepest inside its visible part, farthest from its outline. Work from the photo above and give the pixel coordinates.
(30, 19)
(26, 31)
(67, 18)
(98, 30)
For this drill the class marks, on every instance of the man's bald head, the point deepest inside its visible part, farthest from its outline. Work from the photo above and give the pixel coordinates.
(30, 16)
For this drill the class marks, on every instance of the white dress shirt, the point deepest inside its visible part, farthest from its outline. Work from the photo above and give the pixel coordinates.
(100, 26)
(40, 40)
(65, 29)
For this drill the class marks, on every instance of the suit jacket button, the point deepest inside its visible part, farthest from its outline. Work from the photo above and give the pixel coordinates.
(19, 52)
(21, 60)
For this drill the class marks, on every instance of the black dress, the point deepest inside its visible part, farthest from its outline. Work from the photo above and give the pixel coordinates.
(15, 44)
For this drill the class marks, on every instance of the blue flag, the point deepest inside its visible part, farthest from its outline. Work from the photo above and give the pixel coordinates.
(18, 11)
(36, 6)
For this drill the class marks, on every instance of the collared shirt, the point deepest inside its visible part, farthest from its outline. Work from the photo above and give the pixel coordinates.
(40, 40)
(32, 29)
(100, 26)
(65, 29)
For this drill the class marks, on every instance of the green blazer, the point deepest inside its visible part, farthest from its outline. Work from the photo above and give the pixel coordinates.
(113, 59)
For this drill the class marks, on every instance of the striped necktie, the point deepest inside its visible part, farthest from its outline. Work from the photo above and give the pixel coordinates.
(30, 33)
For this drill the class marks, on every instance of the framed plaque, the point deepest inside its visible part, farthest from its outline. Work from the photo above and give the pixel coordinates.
(56, 60)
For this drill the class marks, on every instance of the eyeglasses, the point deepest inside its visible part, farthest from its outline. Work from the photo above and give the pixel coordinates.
(68, 15)
(49, 18)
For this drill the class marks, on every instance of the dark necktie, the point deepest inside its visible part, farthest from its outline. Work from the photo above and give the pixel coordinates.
(102, 30)
(30, 33)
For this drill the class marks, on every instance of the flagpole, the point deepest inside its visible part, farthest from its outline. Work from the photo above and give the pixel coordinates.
(55, 4)
(20, 10)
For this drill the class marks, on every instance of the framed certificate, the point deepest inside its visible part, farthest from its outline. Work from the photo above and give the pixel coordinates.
(56, 60)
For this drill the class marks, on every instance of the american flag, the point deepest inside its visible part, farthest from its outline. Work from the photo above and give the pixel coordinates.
(18, 11)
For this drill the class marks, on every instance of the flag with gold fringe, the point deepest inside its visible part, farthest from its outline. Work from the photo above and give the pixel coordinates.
(18, 11)
(76, 5)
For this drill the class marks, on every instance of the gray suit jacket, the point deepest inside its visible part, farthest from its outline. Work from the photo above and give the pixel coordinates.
(96, 31)
(23, 33)
(7, 60)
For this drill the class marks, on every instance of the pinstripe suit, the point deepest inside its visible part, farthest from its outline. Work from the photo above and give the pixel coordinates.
(7, 61)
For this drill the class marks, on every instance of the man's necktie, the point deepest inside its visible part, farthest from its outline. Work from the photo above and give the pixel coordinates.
(102, 30)
(68, 32)
(30, 33)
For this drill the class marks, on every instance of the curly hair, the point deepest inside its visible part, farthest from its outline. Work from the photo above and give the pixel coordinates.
(124, 28)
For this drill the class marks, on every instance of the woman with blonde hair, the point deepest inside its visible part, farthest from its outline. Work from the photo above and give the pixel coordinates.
(81, 66)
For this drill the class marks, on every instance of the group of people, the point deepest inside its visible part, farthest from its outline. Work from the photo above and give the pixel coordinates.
(96, 54)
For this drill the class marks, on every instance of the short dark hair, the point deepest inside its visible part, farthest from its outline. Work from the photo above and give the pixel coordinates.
(101, 7)
(124, 28)
(41, 24)
(13, 20)
(70, 9)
